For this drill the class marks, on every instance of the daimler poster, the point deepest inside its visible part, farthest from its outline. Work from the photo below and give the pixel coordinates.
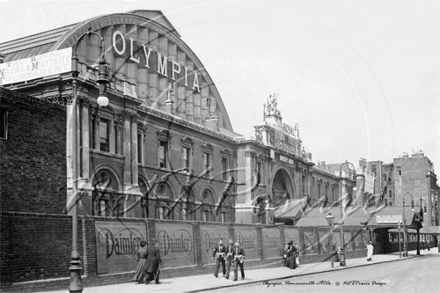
(176, 244)
(210, 236)
(117, 244)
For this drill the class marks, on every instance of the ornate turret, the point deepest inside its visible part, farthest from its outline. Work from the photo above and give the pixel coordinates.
(274, 132)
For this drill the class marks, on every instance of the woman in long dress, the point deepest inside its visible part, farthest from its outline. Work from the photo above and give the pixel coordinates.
(139, 275)
(370, 249)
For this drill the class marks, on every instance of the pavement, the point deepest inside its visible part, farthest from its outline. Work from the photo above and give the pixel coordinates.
(205, 283)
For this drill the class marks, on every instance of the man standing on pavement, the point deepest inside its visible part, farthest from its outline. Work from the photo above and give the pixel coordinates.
(153, 263)
(239, 257)
(219, 253)
(229, 257)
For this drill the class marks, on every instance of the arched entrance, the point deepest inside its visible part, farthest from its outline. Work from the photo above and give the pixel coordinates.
(282, 188)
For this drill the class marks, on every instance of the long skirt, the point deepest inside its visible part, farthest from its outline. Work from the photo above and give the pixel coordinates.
(291, 261)
(139, 275)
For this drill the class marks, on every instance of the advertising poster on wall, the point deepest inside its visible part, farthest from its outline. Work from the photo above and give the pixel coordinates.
(292, 234)
(348, 240)
(247, 235)
(358, 241)
(309, 242)
(210, 236)
(117, 244)
(323, 241)
(272, 246)
(176, 244)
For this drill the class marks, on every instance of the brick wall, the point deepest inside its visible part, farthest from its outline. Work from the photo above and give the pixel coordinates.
(35, 251)
(33, 157)
(35, 246)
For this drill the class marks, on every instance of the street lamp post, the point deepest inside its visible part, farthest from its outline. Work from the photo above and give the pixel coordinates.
(75, 284)
(330, 219)
(405, 248)
(342, 252)
(418, 230)
(399, 225)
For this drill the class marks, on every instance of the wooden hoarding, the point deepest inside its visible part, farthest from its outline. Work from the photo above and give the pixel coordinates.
(210, 236)
(247, 235)
(117, 244)
(176, 244)
(272, 246)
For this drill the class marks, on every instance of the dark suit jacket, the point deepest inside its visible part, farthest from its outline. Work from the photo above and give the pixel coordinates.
(153, 259)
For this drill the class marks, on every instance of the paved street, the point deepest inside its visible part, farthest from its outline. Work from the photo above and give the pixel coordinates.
(418, 274)
(401, 274)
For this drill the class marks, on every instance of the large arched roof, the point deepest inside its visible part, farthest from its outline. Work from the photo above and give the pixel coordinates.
(147, 27)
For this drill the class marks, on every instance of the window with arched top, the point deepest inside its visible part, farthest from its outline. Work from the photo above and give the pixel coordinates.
(107, 201)
(164, 201)
(208, 210)
(189, 206)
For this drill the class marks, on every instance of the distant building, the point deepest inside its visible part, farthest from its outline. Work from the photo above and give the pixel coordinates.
(411, 175)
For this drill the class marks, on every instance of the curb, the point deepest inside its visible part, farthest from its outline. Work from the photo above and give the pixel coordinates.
(300, 275)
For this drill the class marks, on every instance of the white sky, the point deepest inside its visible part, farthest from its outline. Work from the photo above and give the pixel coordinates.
(361, 78)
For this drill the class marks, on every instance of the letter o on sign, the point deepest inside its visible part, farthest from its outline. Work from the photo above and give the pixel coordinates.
(115, 34)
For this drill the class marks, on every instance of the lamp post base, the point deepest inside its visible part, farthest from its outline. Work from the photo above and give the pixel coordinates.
(75, 285)
(342, 258)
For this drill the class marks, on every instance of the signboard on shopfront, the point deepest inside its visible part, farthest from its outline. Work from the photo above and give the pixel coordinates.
(388, 219)
(117, 244)
(38, 66)
(176, 243)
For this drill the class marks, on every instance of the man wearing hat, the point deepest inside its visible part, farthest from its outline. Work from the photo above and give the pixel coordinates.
(229, 257)
(153, 263)
(219, 254)
(239, 257)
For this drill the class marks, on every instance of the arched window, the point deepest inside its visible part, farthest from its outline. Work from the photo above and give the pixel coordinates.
(208, 202)
(107, 201)
(165, 195)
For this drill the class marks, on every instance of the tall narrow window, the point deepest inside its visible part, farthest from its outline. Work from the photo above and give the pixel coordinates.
(258, 172)
(186, 154)
(206, 163)
(205, 216)
(224, 168)
(4, 124)
(104, 135)
(116, 131)
(303, 184)
(163, 151)
(140, 148)
(161, 213)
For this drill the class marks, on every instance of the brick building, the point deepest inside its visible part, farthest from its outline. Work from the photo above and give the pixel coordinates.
(164, 146)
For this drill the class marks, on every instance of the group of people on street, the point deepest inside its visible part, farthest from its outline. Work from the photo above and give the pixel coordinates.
(149, 263)
(226, 256)
(290, 255)
(426, 244)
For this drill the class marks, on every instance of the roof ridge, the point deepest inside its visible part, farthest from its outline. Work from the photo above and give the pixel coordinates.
(37, 35)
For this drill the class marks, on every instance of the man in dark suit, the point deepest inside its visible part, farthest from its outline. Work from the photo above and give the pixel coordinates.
(153, 263)
(229, 257)
(219, 254)
(239, 257)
